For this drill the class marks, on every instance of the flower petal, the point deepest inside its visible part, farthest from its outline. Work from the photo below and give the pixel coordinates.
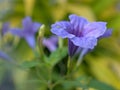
(51, 43)
(84, 42)
(5, 28)
(51, 46)
(53, 39)
(31, 41)
(77, 23)
(94, 29)
(62, 29)
(107, 33)
(16, 31)
(36, 26)
(27, 23)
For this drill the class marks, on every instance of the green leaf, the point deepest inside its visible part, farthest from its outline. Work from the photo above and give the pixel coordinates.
(80, 82)
(99, 85)
(70, 84)
(29, 64)
(56, 56)
(85, 82)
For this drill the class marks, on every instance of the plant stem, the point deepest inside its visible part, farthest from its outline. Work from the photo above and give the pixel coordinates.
(40, 47)
(60, 42)
(50, 86)
(40, 38)
(79, 61)
(69, 65)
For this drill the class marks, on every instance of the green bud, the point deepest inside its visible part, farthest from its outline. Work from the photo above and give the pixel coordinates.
(41, 31)
(60, 42)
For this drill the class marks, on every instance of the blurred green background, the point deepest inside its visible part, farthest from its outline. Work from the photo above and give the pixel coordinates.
(103, 63)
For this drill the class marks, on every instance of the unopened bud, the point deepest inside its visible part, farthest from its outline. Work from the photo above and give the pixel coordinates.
(41, 31)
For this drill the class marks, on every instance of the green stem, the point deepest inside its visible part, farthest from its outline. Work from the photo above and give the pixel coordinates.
(50, 86)
(40, 47)
(69, 65)
(40, 38)
(60, 42)
(58, 82)
(50, 78)
(34, 81)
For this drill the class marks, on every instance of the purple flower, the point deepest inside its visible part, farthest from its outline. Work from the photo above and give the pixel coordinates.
(51, 43)
(80, 32)
(5, 28)
(107, 33)
(28, 31)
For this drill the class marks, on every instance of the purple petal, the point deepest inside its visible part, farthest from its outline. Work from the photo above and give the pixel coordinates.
(31, 41)
(72, 48)
(27, 23)
(62, 29)
(36, 26)
(5, 28)
(84, 42)
(51, 43)
(107, 33)
(18, 32)
(78, 24)
(54, 39)
(94, 29)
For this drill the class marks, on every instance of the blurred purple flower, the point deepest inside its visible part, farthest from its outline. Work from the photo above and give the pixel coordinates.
(51, 43)
(5, 28)
(80, 32)
(28, 31)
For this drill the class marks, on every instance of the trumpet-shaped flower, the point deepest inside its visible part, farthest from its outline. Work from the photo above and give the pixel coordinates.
(28, 31)
(80, 32)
